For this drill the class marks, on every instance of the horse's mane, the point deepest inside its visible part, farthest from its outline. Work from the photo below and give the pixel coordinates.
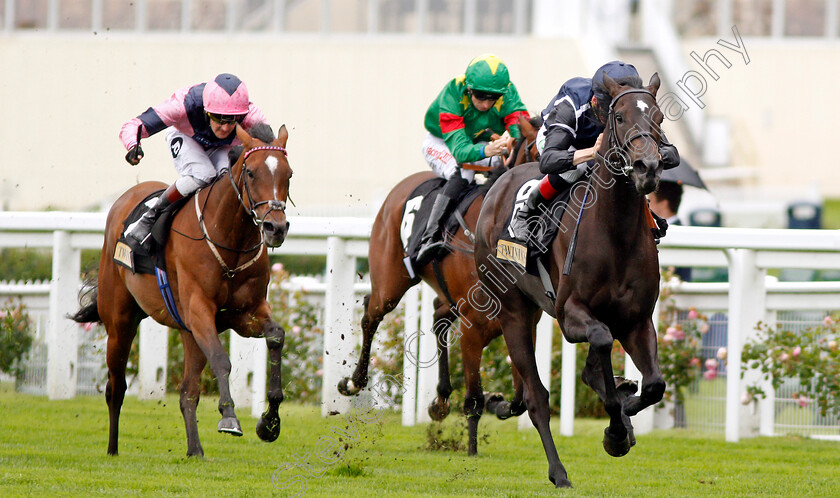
(260, 131)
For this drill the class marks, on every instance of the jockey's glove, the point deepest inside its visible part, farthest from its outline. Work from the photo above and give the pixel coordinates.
(135, 154)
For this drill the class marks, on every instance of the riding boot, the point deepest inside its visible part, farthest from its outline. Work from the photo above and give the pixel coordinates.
(431, 243)
(141, 229)
(519, 223)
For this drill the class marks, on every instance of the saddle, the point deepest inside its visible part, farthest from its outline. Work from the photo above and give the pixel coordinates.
(418, 206)
(543, 227)
(144, 259)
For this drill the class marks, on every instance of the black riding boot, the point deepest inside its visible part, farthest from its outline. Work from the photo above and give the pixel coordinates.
(431, 243)
(519, 223)
(141, 229)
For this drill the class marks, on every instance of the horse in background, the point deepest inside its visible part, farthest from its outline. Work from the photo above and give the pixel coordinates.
(218, 272)
(390, 280)
(603, 291)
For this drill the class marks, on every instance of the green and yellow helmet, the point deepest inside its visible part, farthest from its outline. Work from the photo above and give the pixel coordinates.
(487, 73)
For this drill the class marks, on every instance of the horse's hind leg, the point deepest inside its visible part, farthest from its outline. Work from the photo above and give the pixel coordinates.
(518, 326)
(384, 297)
(120, 316)
(194, 362)
(641, 346)
(444, 318)
(120, 336)
(472, 345)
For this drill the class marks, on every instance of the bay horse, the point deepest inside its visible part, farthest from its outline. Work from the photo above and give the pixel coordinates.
(610, 290)
(389, 280)
(218, 270)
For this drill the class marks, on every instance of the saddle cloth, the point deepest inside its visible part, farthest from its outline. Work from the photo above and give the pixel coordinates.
(418, 206)
(543, 225)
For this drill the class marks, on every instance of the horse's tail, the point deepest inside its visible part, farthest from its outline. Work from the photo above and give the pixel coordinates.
(89, 312)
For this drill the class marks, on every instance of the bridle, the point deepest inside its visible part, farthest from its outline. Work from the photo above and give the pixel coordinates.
(250, 208)
(615, 145)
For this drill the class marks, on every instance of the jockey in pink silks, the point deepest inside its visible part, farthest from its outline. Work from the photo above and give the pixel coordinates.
(200, 123)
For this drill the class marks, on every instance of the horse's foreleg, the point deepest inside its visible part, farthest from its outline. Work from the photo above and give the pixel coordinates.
(207, 337)
(194, 362)
(377, 305)
(598, 373)
(641, 345)
(444, 318)
(268, 426)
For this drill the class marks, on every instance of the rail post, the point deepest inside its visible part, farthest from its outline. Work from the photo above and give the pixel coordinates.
(154, 343)
(63, 334)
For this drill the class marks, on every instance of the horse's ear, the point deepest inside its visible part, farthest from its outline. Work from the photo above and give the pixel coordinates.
(653, 86)
(282, 136)
(612, 86)
(244, 137)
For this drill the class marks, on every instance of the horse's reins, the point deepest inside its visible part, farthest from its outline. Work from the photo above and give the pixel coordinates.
(250, 208)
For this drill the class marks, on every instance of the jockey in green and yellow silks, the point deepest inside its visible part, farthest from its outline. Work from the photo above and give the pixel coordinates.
(460, 122)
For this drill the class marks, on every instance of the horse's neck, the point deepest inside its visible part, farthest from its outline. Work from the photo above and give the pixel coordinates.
(226, 219)
(619, 206)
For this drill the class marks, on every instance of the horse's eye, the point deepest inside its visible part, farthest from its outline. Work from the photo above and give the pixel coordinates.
(249, 173)
(619, 118)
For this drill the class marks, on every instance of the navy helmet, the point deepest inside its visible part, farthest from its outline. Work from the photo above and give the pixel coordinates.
(616, 70)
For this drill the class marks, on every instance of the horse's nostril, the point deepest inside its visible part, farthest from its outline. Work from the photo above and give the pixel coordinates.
(268, 227)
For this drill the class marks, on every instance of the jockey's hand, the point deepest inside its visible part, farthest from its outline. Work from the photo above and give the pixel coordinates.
(597, 146)
(135, 154)
(499, 147)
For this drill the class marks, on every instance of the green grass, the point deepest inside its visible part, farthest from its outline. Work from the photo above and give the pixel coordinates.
(831, 213)
(57, 448)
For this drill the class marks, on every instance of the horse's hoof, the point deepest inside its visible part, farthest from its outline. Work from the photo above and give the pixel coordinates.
(438, 410)
(614, 446)
(230, 425)
(626, 386)
(268, 427)
(347, 387)
(563, 483)
(492, 400)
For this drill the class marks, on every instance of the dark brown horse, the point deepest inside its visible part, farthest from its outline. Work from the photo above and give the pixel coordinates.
(611, 288)
(218, 271)
(390, 280)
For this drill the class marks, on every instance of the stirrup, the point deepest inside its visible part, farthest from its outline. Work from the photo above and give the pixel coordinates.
(429, 251)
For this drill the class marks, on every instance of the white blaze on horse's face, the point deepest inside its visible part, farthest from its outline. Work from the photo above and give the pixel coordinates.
(271, 162)
(641, 105)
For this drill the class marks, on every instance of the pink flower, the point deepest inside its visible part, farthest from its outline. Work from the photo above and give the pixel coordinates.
(828, 321)
(508, 360)
(796, 352)
(277, 267)
(319, 372)
(710, 374)
(832, 345)
(692, 314)
(703, 328)
(784, 357)
(296, 329)
(695, 362)
(721, 354)
(711, 364)
(803, 401)
(679, 334)
(746, 398)
(668, 338)
(671, 330)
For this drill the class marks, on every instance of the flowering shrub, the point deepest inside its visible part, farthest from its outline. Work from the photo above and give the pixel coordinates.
(15, 338)
(679, 337)
(812, 356)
